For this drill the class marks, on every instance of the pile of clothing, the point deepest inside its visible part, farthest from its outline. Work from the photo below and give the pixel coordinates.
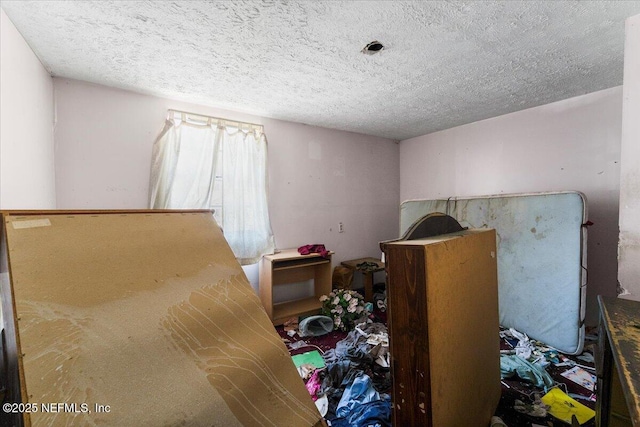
(353, 389)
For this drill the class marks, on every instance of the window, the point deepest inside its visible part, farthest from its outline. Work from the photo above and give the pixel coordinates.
(203, 162)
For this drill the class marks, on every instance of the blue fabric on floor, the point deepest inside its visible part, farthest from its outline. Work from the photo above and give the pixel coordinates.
(512, 364)
(359, 392)
(372, 414)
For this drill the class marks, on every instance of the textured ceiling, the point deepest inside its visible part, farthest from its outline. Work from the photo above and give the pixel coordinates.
(444, 63)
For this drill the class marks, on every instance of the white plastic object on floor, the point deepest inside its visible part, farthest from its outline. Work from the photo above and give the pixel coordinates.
(323, 405)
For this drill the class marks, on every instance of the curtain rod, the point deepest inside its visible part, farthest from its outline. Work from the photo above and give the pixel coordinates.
(227, 121)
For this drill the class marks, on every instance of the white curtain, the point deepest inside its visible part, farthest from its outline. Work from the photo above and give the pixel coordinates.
(188, 155)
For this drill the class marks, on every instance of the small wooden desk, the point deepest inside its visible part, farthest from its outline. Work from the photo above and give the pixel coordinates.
(367, 274)
(287, 267)
(618, 369)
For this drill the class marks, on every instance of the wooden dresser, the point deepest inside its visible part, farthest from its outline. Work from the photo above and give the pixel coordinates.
(442, 299)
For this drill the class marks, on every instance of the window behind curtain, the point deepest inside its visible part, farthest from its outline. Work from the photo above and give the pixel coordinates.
(194, 155)
(203, 162)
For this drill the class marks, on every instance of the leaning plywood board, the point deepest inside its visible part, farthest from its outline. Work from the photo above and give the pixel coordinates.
(541, 258)
(148, 315)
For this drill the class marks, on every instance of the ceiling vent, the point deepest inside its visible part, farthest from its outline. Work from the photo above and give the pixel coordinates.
(373, 48)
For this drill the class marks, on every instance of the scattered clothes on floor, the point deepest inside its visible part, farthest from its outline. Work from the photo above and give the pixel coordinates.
(314, 384)
(511, 364)
(360, 391)
(353, 378)
(372, 414)
(375, 334)
(356, 377)
(547, 369)
(310, 249)
(353, 366)
(355, 343)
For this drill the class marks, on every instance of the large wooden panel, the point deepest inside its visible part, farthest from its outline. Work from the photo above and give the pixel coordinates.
(462, 310)
(150, 314)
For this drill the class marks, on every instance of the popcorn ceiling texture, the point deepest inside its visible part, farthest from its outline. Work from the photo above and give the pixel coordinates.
(444, 63)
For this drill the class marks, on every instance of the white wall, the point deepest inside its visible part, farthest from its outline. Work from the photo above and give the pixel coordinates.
(629, 246)
(568, 145)
(318, 177)
(322, 177)
(27, 178)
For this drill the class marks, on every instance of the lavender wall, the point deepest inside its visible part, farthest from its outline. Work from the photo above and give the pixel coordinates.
(573, 144)
(26, 125)
(27, 178)
(318, 177)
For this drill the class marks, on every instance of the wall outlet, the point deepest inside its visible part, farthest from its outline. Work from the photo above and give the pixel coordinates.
(340, 228)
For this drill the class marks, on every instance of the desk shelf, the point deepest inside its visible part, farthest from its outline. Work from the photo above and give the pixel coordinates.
(285, 310)
(287, 267)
